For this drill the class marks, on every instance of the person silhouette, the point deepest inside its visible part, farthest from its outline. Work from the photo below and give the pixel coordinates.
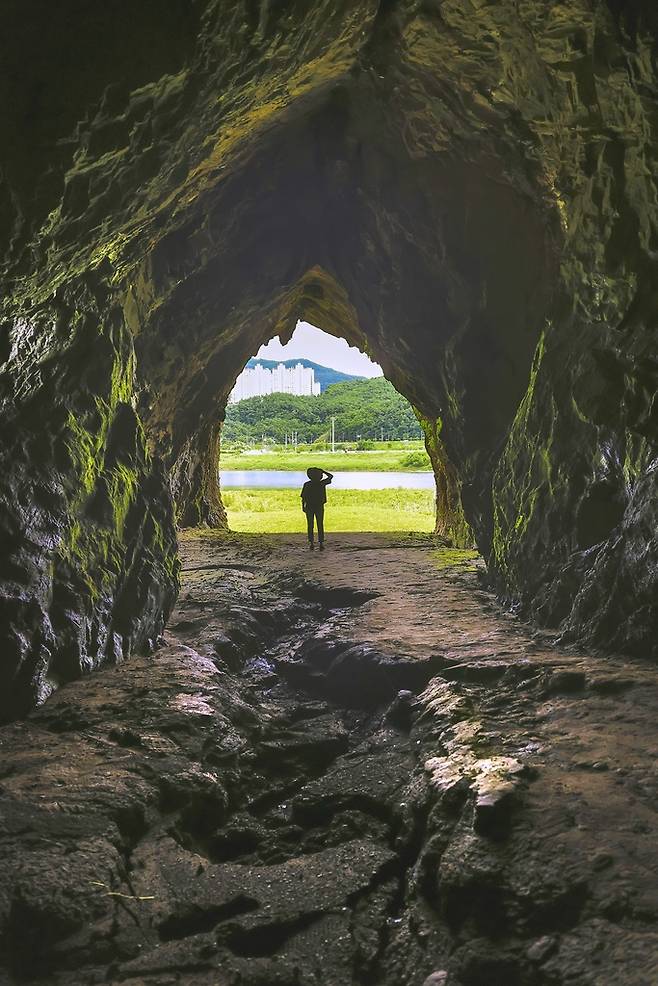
(314, 497)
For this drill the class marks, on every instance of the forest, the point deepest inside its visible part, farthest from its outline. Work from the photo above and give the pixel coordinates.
(363, 410)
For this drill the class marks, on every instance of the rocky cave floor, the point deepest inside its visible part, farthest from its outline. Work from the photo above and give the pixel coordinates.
(347, 767)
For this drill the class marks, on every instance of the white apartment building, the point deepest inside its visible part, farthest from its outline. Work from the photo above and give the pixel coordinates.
(257, 381)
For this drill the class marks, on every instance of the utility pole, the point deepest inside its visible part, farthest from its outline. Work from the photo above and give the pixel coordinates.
(333, 433)
(381, 434)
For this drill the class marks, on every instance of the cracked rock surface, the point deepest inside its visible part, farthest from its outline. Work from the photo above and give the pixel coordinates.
(296, 789)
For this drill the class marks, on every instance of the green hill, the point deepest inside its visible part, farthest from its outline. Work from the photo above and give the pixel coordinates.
(363, 409)
(324, 375)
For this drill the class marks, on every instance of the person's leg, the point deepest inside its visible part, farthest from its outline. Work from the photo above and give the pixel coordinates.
(309, 526)
(319, 514)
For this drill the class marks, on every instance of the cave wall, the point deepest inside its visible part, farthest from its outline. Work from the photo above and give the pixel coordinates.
(464, 190)
(88, 559)
(574, 492)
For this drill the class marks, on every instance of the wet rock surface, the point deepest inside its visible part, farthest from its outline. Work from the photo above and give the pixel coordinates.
(203, 815)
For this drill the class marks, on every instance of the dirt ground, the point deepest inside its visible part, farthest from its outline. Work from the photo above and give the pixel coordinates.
(348, 766)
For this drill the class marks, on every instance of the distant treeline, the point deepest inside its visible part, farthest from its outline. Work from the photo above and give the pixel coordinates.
(364, 409)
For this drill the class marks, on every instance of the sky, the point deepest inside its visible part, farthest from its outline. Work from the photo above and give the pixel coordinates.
(322, 348)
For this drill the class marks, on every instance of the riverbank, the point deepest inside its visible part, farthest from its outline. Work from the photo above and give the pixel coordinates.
(269, 511)
(390, 460)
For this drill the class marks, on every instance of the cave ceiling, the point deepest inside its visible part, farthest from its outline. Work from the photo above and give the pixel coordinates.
(276, 144)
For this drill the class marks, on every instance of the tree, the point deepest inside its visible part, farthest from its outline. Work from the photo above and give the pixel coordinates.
(362, 408)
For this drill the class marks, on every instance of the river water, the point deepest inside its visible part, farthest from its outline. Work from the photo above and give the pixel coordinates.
(282, 479)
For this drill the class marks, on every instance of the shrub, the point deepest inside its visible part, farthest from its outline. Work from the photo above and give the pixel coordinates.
(421, 460)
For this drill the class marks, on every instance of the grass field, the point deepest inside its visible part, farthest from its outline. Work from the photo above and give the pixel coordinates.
(266, 511)
(402, 460)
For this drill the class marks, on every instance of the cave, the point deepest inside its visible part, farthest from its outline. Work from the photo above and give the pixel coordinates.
(465, 191)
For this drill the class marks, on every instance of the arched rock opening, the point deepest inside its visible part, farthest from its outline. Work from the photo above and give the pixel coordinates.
(473, 192)
(317, 296)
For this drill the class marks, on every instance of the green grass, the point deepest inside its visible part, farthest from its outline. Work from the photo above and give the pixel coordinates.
(267, 511)
(388, 461)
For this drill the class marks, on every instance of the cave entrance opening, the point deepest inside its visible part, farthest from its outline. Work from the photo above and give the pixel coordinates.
(317, 401)
(403, 341)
